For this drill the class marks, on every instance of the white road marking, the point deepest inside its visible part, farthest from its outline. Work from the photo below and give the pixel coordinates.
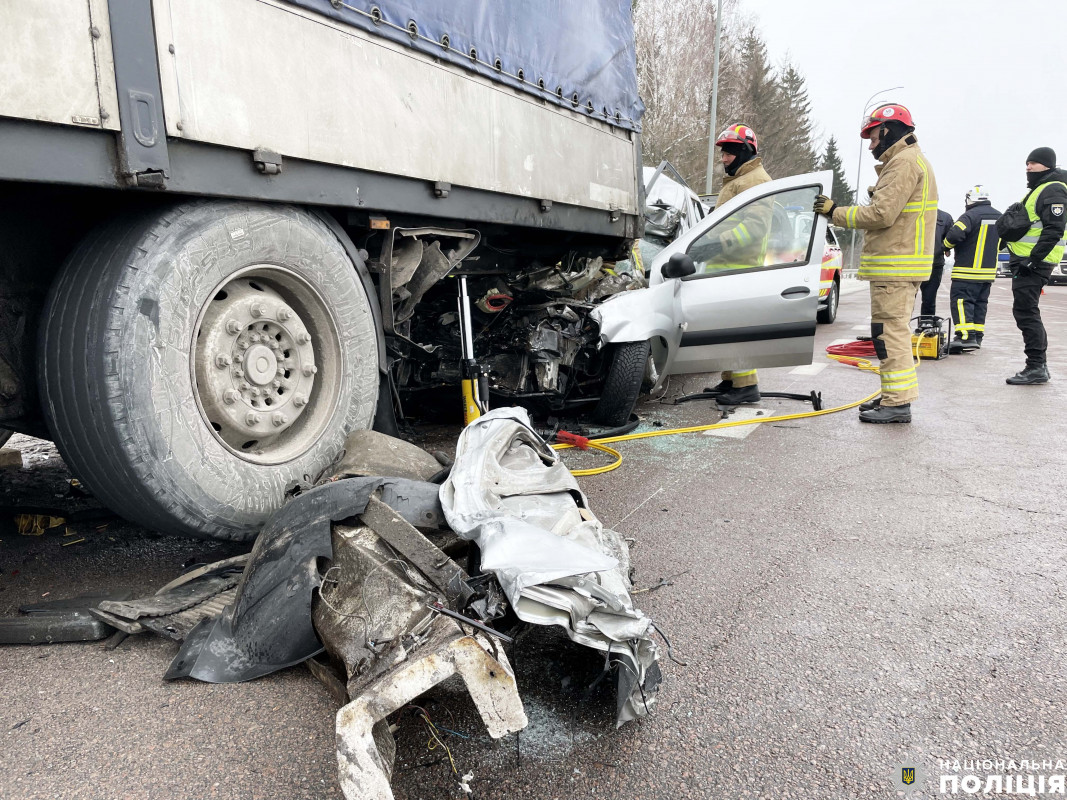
(809, 369)
(741, 431)
(861, 327)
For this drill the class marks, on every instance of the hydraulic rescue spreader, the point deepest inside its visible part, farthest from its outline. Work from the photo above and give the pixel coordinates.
(475, 379)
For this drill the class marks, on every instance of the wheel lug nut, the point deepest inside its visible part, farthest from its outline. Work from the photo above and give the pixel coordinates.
(285, 314)
(222, 361)
(303, 337)
(243, 344)
(310, 370)
(258, 310)
(231, 396)
(252, 418)
(233, 327)
(237, 359)
(237, 372)
(244, 386)
(277, 384)
(300, 401)
(279, 419)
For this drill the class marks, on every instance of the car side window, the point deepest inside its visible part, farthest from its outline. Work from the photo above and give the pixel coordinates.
(771, 232)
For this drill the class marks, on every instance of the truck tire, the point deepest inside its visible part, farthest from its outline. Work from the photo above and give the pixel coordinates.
(623, 385)
(827, 315)
(199, 362)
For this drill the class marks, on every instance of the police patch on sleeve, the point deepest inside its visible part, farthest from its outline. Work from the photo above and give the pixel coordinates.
(1057, 209)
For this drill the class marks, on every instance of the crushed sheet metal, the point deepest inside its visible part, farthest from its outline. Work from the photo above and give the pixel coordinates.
(558, 565)
(268, 627)
(488, 677)
(389, 647)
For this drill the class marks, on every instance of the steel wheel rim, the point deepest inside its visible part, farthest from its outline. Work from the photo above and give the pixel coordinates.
(267, 364)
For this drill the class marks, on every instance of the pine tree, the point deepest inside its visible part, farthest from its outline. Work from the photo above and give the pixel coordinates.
(831, 160)
(794, 122)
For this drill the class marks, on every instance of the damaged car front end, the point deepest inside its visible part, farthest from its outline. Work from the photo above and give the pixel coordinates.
(388, 586)
(532, 333)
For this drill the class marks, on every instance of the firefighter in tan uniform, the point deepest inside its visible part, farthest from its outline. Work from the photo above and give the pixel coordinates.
(744, 245)
(898, 251)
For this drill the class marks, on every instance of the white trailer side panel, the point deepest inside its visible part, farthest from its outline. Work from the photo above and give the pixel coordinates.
(52, 68)
(258, 74)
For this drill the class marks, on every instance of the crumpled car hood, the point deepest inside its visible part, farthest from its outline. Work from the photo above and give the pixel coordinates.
(510, 492)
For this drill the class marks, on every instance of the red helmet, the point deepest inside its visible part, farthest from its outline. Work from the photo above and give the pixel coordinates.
(886, 113)
(738, 134)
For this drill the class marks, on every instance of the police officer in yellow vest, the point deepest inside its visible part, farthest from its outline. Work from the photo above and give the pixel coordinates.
(898, 251)
(1034, 254)
(974, 238)
(745, 244)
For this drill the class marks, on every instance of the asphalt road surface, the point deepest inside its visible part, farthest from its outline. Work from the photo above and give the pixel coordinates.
(847, 598)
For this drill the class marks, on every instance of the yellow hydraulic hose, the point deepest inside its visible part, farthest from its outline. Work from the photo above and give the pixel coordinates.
(600, 444)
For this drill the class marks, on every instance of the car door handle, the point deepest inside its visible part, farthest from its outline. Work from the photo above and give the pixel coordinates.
(794, 292)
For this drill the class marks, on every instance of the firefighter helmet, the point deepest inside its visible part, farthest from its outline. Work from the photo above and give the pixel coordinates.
(887, 113)
(738, 134)
(976, 194)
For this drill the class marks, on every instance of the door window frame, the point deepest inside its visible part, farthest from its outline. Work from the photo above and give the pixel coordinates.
(806, 259)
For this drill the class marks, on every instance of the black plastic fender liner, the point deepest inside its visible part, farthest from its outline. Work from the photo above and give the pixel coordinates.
(269, 625)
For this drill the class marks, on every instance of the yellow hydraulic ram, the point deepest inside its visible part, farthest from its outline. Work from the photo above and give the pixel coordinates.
(475, 382)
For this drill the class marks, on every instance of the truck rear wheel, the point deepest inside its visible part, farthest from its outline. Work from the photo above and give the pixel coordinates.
(199, 362)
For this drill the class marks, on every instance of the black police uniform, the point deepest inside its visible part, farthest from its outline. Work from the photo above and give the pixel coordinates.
(930, 286)
(974, 238)
(1030, 274)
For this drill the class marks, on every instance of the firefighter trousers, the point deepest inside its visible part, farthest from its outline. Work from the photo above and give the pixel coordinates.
(929, 291)
(968, 301)
(741, 378)
(891, 305)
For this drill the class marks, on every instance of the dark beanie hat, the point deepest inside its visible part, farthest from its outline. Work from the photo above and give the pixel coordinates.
(1043, 155)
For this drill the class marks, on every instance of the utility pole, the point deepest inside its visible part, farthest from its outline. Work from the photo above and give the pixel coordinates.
(859, 169)
(714, 99)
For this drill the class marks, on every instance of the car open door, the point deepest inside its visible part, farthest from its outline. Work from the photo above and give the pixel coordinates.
(752, 300)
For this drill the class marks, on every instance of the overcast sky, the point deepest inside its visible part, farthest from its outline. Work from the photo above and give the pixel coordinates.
(985, 80)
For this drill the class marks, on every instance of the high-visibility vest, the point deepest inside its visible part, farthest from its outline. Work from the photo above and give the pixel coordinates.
(1025, 245)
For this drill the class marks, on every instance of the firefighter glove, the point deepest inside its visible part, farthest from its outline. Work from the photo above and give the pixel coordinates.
(824, 205)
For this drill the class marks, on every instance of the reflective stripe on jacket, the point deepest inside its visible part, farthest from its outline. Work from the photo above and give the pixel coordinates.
(1025, 246)
(974, 238)
(745, 244)
(901, 221)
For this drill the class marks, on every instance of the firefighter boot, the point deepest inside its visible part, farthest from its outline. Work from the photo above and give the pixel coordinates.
(1034, 373)
(721, 386)
(957, 346)
(884, 414)
(871, 404)
(739, 396)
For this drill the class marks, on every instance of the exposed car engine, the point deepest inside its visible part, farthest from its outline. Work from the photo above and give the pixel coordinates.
(531, 331)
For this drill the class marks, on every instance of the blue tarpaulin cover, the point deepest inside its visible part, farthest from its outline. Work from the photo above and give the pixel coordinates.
(576, 53)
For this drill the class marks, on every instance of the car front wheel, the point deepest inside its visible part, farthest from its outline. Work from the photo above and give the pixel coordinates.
(626, 373)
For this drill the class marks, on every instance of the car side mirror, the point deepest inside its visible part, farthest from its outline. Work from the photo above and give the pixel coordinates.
(678, 266)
